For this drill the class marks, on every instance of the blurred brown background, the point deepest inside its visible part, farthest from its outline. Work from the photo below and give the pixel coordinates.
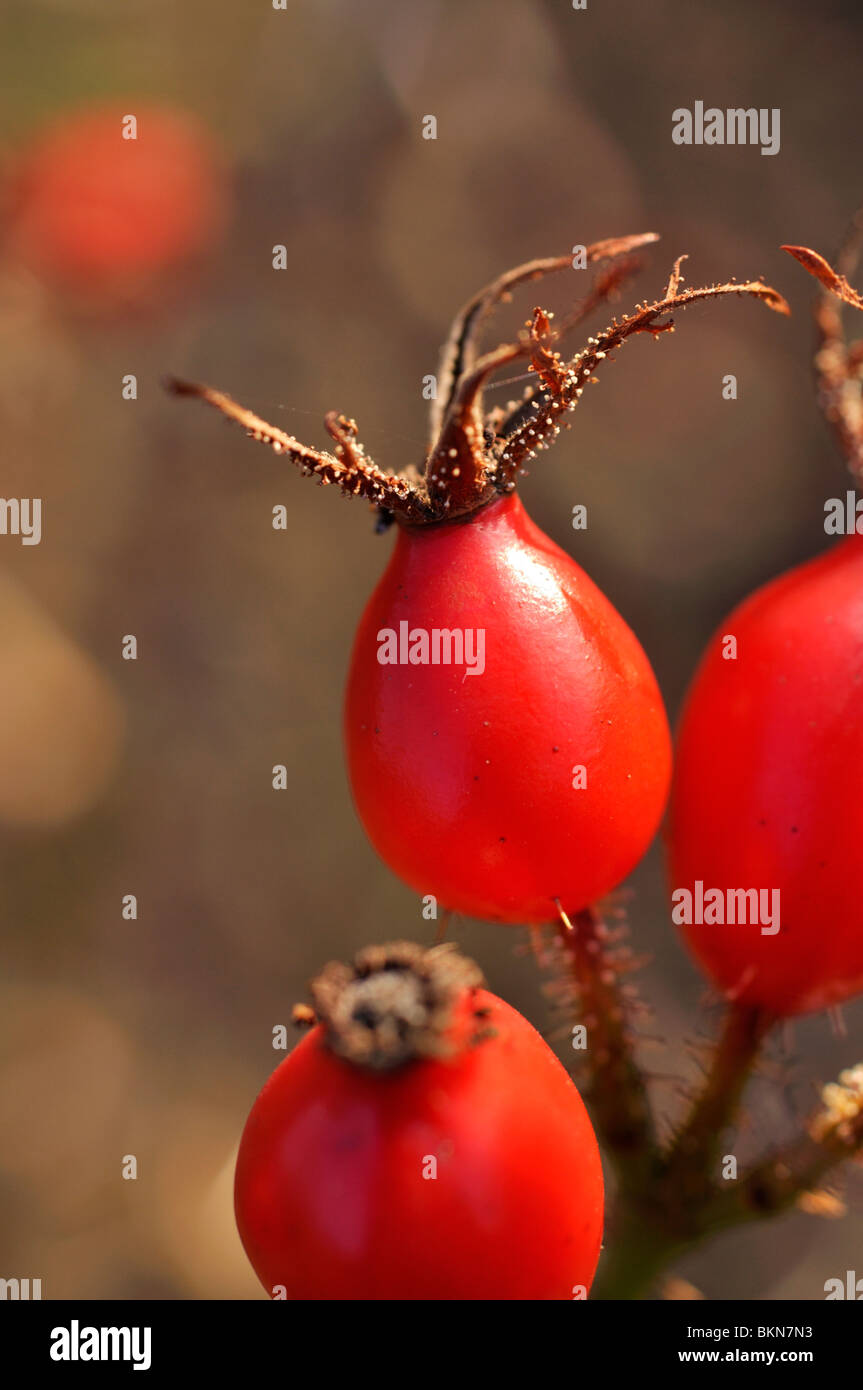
(554, 127)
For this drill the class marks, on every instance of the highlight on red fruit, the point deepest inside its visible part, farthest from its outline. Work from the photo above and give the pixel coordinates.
(508, 748)
(107, 195)
(421, 1142)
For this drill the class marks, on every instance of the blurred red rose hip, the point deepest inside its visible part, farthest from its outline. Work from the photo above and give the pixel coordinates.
(422, 1142)
(90, 207)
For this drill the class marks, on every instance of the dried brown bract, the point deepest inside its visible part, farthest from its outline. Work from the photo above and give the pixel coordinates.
(474, 455)
(838, 362)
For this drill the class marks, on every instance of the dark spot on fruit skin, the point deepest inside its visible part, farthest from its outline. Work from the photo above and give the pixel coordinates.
(762, 822)
(503, 839)
(350, 1143)
(794, 830)
(555, 748)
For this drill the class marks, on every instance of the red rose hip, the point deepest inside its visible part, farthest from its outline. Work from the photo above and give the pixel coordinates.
(99, 212)
(422, 1142)
(766, 790)
(538, 772)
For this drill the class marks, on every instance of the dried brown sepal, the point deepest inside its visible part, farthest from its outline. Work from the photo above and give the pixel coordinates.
(615, 246)
(394, 1004)
(502, 422)
(459, 473)
(823, 271)
(475, 458)
(460, 350)
(543, 360)
(605, 287)
(648, 318)
(838, 364)
(351, 471)
(675, 278)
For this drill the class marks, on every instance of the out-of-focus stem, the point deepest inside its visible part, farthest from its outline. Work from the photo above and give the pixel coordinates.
(615, 1093)
(698, 1141)
(671, 1198)
(637, 1251)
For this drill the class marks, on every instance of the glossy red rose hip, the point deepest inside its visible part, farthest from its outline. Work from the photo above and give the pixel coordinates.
(767, 780)
(539, 774)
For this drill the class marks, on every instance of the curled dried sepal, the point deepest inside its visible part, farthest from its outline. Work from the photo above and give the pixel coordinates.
(460, 471)
(460, 350)
(476, 457)
(536, 433)
(544, 361)
(838, 363)
(822, 270)
(394, 1004)
(675, 278)
(503, 422)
